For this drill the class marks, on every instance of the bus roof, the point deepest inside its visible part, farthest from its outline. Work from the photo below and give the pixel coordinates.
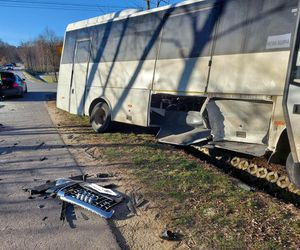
(122, 15)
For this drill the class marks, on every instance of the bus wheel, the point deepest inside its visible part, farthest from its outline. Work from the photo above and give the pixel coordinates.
(293, 170)
(100, 117)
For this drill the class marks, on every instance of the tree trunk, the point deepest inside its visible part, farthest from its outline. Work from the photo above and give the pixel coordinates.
(148, 4)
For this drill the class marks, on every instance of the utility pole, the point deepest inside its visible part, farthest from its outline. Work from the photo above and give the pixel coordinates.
(148, 4)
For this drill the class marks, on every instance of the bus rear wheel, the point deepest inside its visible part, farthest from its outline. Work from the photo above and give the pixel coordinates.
(100, 117)
(293, 170)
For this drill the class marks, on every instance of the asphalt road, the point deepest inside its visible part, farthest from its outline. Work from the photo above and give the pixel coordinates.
(27, 136)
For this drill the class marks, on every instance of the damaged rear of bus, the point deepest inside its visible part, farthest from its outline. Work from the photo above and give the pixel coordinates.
(246, 106)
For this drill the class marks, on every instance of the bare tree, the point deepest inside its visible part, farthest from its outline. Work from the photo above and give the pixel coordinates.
(52, 43)
(8, 53)
(41, 54)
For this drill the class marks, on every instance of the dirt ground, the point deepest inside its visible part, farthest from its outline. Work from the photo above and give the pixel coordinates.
(181, 194)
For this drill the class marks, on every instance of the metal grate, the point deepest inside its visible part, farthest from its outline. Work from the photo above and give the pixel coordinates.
(90, 196)
(85, 196)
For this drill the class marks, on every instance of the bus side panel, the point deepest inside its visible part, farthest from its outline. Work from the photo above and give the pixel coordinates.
(125, 85)
(183, 60)
(240, 120)
(63, 87)
(252, 47)
(171, 76)
(262, 73)
(131, 107)
(122, 74)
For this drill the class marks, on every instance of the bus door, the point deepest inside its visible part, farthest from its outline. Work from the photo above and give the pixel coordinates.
(291, 98)
(79, 76)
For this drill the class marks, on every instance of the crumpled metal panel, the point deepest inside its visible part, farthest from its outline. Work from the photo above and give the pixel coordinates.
(183, 128)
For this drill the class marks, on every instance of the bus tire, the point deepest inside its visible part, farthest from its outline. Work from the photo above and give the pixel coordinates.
(100, 117)
(293, 170)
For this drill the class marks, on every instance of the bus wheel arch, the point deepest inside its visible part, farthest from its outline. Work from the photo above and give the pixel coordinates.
(96, 101)
(100, 115)
(282, 151)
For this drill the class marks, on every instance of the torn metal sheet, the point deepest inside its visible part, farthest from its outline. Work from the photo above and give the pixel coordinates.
(102, 190)
(183, 128)
(245, 121)
(240, 147)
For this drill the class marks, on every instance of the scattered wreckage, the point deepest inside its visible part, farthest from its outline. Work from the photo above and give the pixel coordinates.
(76, 190)
(89, 196)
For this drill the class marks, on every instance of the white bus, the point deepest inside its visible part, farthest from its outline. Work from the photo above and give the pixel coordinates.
(217, 72)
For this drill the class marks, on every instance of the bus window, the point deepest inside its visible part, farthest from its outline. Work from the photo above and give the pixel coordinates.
(196, 40)
(272, 22)
(82, 52)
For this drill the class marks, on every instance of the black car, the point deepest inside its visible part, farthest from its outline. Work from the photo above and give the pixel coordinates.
(9, 67)
(11, 85)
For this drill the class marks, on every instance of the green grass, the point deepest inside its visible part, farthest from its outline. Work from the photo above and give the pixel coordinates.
(206, 198)
(49, 78)
(30, 77)
(201, 200)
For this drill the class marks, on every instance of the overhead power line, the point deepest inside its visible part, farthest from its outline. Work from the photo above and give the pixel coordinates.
(60, 4)
(47, 8)
(57, 5)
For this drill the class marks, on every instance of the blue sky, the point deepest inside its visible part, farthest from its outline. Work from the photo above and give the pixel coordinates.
(24, 20)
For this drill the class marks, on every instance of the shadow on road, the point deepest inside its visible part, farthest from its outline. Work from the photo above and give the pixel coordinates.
(33, 97)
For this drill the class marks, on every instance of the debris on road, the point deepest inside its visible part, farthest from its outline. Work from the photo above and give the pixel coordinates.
(82, 177)
(39, 146)
(84, 216)
(89, 196)
(63, 211)
(171, 236)
(104, 175)
(94, 152)
(110, 186)
(39, 189)
(131, 208)
(136, 200)
(43, 158)
(245, 187)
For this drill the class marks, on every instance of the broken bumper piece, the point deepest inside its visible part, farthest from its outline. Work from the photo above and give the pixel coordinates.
(92, 197)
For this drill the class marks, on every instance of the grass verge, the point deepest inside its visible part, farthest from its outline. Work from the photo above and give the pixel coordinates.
(49, 78)
(31, 77)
